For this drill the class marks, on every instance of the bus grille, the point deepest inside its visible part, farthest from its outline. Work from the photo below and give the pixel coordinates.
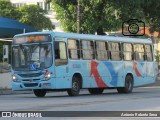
(31, 75)
(29, 80)
(31, 85)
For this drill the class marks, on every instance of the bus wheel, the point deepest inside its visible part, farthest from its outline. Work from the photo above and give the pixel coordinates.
(128, 85)
(95, 90)
(74, 91)
(40, 93)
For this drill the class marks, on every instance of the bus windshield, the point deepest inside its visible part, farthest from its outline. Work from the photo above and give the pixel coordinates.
(31, 57)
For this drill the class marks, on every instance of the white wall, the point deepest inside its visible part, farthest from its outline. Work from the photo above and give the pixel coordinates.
(26, 1)
(5, 80)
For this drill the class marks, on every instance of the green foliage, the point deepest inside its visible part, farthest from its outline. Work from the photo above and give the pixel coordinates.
(65, 13)
(129, 9)
(151, 10)
(157, 56)
(99, 16)
(106, 15)
(94, 15)
(7, 10)
(34, 16)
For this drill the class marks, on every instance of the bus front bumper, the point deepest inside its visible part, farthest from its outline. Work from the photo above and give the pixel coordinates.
(32, 85)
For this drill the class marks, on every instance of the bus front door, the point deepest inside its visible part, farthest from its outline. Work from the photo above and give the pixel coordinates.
(61, 64)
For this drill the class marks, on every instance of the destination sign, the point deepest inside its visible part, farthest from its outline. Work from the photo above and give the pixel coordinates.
(31, 39)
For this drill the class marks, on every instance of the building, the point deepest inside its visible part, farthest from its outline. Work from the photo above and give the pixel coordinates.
(44, 6)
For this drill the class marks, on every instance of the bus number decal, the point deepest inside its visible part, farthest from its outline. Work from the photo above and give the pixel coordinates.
(76, 66)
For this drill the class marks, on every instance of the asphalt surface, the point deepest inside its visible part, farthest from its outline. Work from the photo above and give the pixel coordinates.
(142, 99)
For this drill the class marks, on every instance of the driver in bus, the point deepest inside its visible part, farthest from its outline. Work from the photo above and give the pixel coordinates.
(46, 56)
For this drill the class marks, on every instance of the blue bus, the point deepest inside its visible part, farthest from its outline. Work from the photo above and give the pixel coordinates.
(48, 61)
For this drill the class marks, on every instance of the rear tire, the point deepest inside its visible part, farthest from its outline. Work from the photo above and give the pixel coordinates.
(128, 85)
(74, 91)
(95, 90)
(40, 93)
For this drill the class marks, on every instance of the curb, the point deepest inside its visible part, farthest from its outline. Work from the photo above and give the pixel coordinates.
(10, 92)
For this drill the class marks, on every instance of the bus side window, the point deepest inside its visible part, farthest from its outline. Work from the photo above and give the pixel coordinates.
(127, 51)
(114, 50)
(87, 48)
(60, 53)
(139, 52)
(101, 50)
(73, 49)
(148, 52)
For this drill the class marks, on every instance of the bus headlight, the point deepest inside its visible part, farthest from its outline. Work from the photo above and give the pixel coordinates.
(14, 78)
(48, 76)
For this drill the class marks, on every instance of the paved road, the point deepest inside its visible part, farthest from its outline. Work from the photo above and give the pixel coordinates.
(142, 99)
(145, 98)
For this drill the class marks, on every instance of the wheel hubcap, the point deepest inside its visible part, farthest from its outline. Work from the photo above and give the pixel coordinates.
(129, 85)
(75, 86)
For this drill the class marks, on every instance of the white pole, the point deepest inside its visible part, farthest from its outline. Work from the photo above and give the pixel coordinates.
(3, 57)
(24, 30)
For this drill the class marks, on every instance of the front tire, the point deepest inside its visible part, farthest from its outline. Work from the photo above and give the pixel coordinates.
(128, 85)
(74, 91)
(95, 90)
(40, 93)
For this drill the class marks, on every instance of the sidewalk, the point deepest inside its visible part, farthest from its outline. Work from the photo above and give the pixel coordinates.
(9, 92)
(5, 68)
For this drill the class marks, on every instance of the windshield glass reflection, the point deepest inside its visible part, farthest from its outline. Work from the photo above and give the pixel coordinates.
(31, 57)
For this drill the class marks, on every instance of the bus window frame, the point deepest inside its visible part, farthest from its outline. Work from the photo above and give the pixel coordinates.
(107, 51)
(54, 52)
(93, 50)
(119, 46)
(132, 55)
(146, 58)
(78, 50)
(135, 58)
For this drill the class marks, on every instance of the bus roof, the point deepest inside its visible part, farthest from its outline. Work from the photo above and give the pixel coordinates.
(92, 37)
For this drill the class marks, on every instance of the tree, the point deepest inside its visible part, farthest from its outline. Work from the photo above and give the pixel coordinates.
(157, 56)
(152, 14)
(97, 15)
(94, 15)
(146, 10)
(7, 10)
(34, 16)
(106, 15)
